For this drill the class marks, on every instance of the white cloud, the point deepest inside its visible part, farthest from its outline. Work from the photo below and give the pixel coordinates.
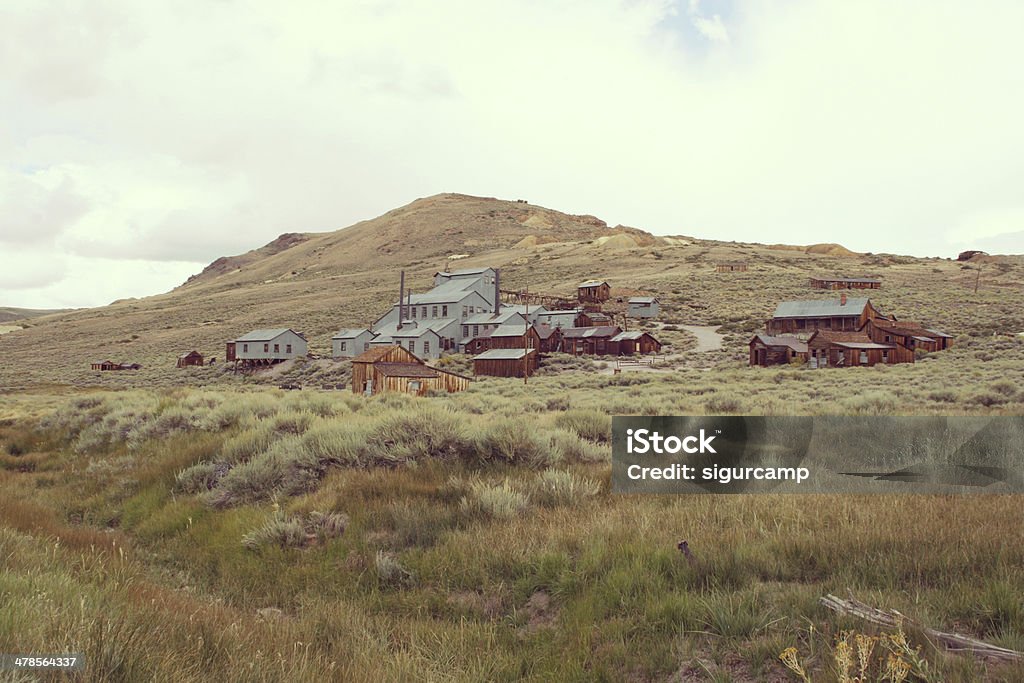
(180, 132)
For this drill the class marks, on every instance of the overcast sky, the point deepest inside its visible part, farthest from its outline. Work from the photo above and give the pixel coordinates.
(141, 140)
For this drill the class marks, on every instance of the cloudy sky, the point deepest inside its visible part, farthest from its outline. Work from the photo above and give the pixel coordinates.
(141, 140)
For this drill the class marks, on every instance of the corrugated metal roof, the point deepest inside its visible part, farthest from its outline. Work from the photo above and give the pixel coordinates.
(592, 283)
(263, 335)
(624, 336)
(642, 300)
(820, 308)
(503, 354)
(509, 330)
(350, 334)
(489, 318)
(847, 279)
(464, 271)
(864, 345)
(572, 311)
(783, 340)
(588, 332)
(938, 333)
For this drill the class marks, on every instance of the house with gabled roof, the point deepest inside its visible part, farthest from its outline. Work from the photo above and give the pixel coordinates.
(394, 369)
(642, 307)
(349, 343)
(767, 350)
(912, 335)
(594, 341)
(267, 346)
(835, 348)
(632, 342)
(804, 317)
(593, 292)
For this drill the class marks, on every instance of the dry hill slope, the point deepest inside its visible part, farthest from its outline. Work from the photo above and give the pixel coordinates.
(318, 283)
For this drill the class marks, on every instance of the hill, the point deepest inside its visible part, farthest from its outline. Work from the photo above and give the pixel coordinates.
(7, 313)
(319, 282)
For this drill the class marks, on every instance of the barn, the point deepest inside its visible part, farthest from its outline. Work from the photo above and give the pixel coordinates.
(593, 292)
(505, 362)
(803, 317)
(766, 350)
(633, 342)
(831, 348)
(266, 347)
(909, 334)
(845, 283)
(191, 358)
(643, 307)
(594, 341)
(732, 267)
(395, 369)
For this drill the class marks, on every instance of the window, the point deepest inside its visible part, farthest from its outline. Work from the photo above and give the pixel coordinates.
(288, 348)
(414, 385)
(433, 312)
(412, 345)
(343, 346)
(245, 348)
(465, 330)
(444, 311)
(426, 347)
(863, 357)
(476, 330)
(424, 312)
(451, 342)
(266, 348)
(413, 310)
(885, 355)
(366, 346)
(888, 337)
(277, 348)
(465, 311)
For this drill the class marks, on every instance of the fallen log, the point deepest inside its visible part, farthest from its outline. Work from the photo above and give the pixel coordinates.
(953, 642)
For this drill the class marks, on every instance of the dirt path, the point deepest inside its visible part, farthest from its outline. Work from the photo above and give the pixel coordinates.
(708, 339)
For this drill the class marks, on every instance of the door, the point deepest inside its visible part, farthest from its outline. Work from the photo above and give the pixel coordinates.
(368, 388)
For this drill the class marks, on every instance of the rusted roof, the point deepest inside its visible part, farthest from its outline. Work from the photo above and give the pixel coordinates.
(590, 332)
(592, 283)
(783, 340)
(845, 337)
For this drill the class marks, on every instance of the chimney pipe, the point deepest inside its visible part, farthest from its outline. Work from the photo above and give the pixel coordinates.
(401, 299)
(497, 290)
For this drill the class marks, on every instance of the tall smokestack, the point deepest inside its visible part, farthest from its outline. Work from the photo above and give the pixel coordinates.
(497, 290)
(401, 299)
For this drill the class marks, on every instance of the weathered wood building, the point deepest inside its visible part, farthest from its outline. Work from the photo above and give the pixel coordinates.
(564, 319)
(189, 359)
(550, 338)
(831, 348)
(593, 341)
(593, 292)
(804, 317)
(767, 350)
(912, 335)
(395, 369)
(505, 362)
(845, 283)
(643, 307)
(732, 267)
(633, 342)
(594, 319)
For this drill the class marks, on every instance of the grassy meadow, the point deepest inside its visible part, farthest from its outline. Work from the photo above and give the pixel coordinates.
(246, 533)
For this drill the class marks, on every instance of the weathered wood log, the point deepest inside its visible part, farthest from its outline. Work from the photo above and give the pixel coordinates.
(953, 642)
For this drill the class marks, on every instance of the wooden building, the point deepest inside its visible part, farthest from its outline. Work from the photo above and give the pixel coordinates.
(766, 350)
(563, 318)
(189, 359)
(105, 365)
(395, 369)
(593, 292)
(643, 307)
(505, 362)
(594, 319)
(845, 283)
(912, 335)
(550, 338)
(804, 317)
(593, 341)
(266, 347)
(633, 342)
(830, 348)
(732, 267)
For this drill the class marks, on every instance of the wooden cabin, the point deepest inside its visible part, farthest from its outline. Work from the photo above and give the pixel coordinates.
(593, 341)
(912, 335)
(732, 267)
(564, 319)
(505, 362)
(766, 350)
(593, 319)
(593, 292)
(395, 369)
(845, 283)
(633, 342)
(643, 307)
(105, 365)
(830, 348)
(550, 338)
(804, 317)
(189, 359)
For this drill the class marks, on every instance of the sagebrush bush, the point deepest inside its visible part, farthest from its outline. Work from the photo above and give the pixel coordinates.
(198, 478)
(286, 533)
(507, 440)
(497, 501)
(592, 425)
(560, 487)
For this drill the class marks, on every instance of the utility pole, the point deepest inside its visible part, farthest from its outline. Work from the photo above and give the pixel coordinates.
(977, 279)
(526, 337)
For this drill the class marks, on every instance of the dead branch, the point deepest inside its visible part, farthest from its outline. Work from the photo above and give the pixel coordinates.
(954, 642)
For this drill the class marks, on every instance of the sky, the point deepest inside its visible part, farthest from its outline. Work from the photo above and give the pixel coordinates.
(141, 140)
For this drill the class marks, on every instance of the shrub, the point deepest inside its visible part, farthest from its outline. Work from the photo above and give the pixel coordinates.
(591, 425)
(507, 440)
(559, 487)
(200, 477)
(496, 501)
(286, 533)
(390, 571)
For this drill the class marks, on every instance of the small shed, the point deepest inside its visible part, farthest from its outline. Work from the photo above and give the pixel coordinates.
(594, 319)
(767, 350)
(550, 338)
(105, 365)
(634, 342)
(732, 267)
(505, 362)
(643, 307)
(189, 359)
(593, 291)
(845, 283)
(350, 342)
